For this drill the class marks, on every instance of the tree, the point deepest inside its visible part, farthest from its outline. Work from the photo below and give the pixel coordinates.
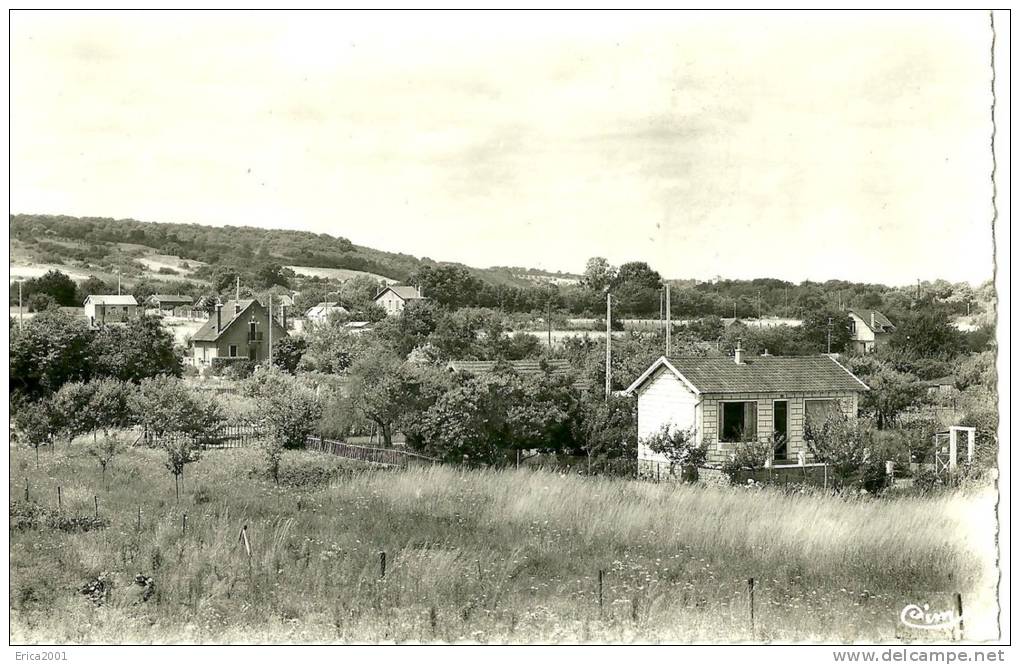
(71, 407)
(599, 274)
(110, 404)
(57, 286)
(92, 286)
(379, 386)
(40, 302)
(891, 393)
(51, 349)
(826, 330)
(680, 447)
(33, 424)
(927, 334)
(292, 412)
(140, 349)
(287, 353)
(606, 428)
(842, 442)
(104, 450)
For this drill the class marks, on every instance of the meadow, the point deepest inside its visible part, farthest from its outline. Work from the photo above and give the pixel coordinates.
(472, 556)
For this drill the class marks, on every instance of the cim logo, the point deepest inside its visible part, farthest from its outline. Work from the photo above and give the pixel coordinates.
(916, 616)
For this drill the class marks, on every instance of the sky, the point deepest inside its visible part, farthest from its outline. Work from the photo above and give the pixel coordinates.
(793, 145)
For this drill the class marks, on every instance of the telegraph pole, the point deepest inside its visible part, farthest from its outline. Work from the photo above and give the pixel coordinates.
(21, 310)
(270, 329)
(828, 337)
(609, 344)
(548, 321)
(669, 322)
(237, 290)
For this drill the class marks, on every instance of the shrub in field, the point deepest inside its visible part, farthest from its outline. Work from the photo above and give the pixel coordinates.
(28, 515)
(680, 447)
(849, 445)
(104, 451)
(300, 471)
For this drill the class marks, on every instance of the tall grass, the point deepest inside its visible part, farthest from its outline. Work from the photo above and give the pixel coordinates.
(490, 556)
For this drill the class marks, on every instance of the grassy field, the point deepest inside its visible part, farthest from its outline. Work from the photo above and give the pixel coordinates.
(479, 556)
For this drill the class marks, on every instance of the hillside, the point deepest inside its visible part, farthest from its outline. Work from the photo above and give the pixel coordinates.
(90, 244)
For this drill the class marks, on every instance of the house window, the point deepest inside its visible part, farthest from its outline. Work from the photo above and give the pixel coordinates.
(232, 351)
(738, 421)
(817, 411)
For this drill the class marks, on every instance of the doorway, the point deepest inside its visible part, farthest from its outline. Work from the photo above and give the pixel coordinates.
(780, 431)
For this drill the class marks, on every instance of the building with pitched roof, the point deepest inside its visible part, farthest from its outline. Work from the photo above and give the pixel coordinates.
(393, 298)
(322, 311)
(869, 329)
(238, 329)
(168, 303)
(730, 401)
(103, 309)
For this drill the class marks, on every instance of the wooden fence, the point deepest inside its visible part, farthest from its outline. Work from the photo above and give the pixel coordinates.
(385, 456)
(230, 435)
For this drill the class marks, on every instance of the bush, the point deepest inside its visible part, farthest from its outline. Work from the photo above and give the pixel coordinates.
(750, 455)
(28, 515)
(304, 471)
(680, 448)
(232, 368)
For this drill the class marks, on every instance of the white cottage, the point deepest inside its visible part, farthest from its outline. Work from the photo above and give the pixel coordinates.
(103, 309)
(393, 299)
(729, 401)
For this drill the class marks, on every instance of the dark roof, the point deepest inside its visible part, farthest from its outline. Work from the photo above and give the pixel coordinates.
(880, 320)
(758, 374)
(207, 333)
(556, 367)
(171, 299)
(404, 292)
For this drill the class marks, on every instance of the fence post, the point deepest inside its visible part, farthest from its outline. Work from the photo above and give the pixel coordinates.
(139, 518)
(26, 489)
(601, 575)
(382, 564)
(959, 616)
(97, 506)
(750, 596)
(184, 523)
(60, 500)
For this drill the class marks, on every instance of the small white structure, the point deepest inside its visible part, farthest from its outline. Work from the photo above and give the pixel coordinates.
(103, 309)
(947, 450)
(393, 299)
(322, 311)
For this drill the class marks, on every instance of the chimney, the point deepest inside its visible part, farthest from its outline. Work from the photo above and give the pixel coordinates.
(219, 317)
(766, 354)
(872, 320)
(738, 354)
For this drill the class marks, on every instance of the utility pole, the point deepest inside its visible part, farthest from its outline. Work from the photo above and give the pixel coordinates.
(118, 284)
(828, 337)
(548, 321)
(669, 321)
(609, 344)
(21, 310)
(270, 329)
(759, 305)
(237, 290)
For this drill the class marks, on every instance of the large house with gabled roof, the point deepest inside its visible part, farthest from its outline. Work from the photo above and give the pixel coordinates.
(869, 329)
(729, 401)
(238, 329)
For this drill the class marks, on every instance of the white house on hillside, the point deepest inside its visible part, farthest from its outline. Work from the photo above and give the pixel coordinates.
(394, 298)
(729, 401)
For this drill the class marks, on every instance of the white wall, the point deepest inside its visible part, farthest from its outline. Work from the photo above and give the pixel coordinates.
(664, 399)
